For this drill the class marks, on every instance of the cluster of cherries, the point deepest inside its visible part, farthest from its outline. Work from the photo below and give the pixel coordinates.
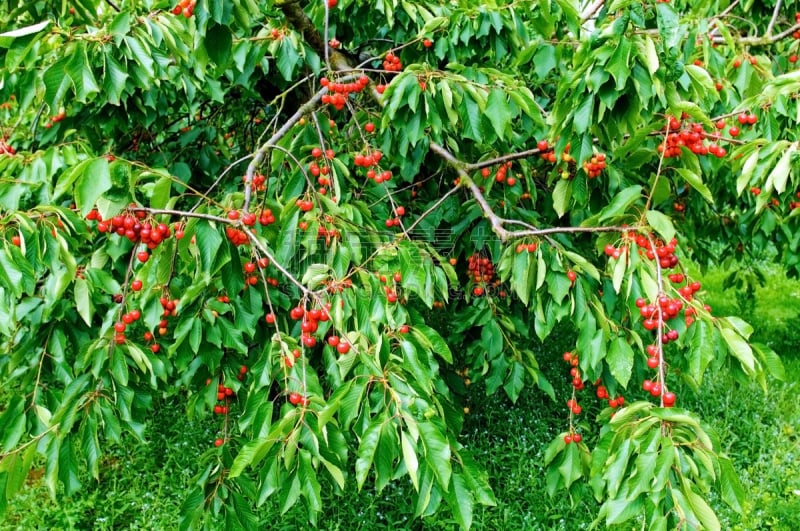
(595, 166)
(342, 345)
(665, 252)
(399, 212)
(55, 119)
(391, 292)
(5, 148)
(500, 175)
(132, 225)
(574, 371)
(185, 8)
(371, 161)
(258, 184)
(602, 394)
(251, 277)
(655, 389)
(120, 326)
(547, 153)
(665, 308)
(225, 394)
(482, 271)
(526, 247)
(309, 322)
(694, 137)
(296, 399)
(392, 63)
(338, 92)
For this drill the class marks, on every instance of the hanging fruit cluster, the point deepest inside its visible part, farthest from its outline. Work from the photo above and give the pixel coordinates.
(339, 92)
(392, 63)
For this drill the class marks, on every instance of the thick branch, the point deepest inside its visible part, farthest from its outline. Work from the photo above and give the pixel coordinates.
(760, 41)
(297, 18)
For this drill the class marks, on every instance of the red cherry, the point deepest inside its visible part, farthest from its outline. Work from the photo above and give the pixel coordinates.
(343, 347)
(577, 438)
(219, 442)
(669, 399)
(295, 398)
(270, 318)
(733, 131)
(136, 285)
(143, 256)
(233, 215)
(369, 127)
(427, 43)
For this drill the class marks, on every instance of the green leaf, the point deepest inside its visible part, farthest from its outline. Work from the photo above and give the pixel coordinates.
(583, 114)
(366, 449)
(459, 498)
(701, 350)
(410, 458)
(779, 175)
(438, 344)
(620, 360)
(748, 168)
(82, 300)
(624, 199)
(7, 37)
(562, 194)
(81, 75)
(498, 112)
(93, 182)
(570, 467)
(209, 241)
(114, 80)
(661, 223)
(732, 492)
(619, 65)
(668, 26)
(739, 348)
(218, 44)
(696, 182)
(287, 59)
(437, 452)
(704, 513)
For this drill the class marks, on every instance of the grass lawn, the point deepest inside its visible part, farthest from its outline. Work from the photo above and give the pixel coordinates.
(143, 487)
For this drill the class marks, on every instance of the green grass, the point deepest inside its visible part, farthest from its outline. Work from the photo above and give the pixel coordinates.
(142, 487)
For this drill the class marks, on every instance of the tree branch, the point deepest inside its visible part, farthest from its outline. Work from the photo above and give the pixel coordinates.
(774, 18)
(760, 41)
(590, 10)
